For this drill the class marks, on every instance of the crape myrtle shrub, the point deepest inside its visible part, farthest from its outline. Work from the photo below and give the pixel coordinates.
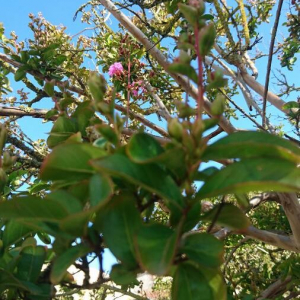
(143, 158)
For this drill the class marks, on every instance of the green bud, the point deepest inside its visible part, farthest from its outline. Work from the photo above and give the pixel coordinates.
(175, 129)
(186, 111)
(97, 86)
(184, 57)
(199, 5)
(207, 37)
(3, 180)
(197, 129)
(189, 143)
(218, 106)
(3, 136)
(210, 123)
(7, 160)
(189, 12)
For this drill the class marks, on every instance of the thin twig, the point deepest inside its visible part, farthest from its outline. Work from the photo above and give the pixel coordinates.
(274, 31)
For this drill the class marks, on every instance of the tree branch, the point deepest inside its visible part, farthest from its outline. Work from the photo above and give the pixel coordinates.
(274, 31)
(16, 111)
(291, 207)
(278, 240)
(275, 288)
(161, 58)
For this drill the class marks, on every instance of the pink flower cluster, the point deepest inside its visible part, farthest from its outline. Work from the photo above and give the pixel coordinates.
(137, 87)
(115, 69)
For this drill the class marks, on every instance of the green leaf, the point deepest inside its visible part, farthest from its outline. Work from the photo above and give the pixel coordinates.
(250, 144)
(68, 201)
(149, 176)
(142, 148)
(100, 188)
(70, 162)
(207, 17)
(8, 280)
(49, 88)
(122, 276)
(83, 114)
(58, 60)
(76, 224)
(189, 12)
(64, 261)
(156, 248)
(207, 36)
(203, 249)
(216, 282)
(108, 133)
(62, 129)
(263, 174)
(205, 174)
(31, 207)
(119, 221)
(31, 262)
(184, 69)
(227, 215)
(291, 104)
(192, 217)
(44, 237)
(14, 232)
(20, 74)
(189, 283)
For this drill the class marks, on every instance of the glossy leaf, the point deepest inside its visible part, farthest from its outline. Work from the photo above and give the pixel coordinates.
(62, 129)
(122, 276)
(248, 144)
(119, 221)
(156, 247)
(70, 162)
(7, 280)
(261, 174)
(49, 88)
(14, 232)
(68, 201)
(76, 224)
(189, 284)
(100, 188)
(203, 249)
(150, 177)
(142, 148)
(31, 262)
(83, 114)
(64, 261)
(184, 69)
(227, 215)
(20, 74)
(32, 207)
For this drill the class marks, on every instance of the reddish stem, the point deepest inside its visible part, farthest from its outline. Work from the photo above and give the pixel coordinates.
(128, 92)
(200, 98)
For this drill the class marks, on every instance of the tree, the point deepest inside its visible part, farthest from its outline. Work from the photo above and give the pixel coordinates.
(113, 176)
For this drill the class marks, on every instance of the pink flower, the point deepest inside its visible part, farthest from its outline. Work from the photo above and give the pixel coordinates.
(115, 69)
(135, 93)
(137, 87)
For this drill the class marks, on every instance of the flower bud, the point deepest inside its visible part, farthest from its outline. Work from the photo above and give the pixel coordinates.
(7, 160)
(175, 129)
(3, 180)
(217, 107)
